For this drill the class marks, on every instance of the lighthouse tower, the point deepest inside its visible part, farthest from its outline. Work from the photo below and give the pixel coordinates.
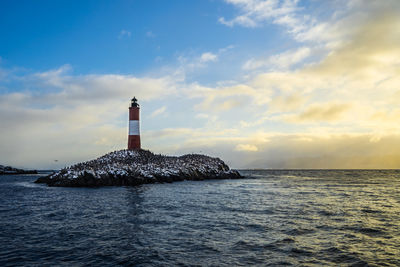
(134, 130)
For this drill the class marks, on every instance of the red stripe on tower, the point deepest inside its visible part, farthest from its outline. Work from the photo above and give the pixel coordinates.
(134, 128)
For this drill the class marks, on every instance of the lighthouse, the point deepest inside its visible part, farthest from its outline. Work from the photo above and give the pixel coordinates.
(134, 129)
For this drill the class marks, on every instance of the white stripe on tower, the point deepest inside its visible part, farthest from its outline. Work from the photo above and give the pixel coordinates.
(134, 128)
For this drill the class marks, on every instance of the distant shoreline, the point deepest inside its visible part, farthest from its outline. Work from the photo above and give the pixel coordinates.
(20, 172)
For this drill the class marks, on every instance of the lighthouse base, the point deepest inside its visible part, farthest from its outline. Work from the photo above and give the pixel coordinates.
(133, 142)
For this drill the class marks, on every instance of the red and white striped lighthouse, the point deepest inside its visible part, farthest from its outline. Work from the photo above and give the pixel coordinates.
(134, 129)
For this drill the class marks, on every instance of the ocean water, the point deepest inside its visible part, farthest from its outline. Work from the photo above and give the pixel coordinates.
(307, 218)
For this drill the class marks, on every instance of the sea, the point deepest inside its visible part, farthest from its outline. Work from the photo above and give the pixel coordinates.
(270, 218)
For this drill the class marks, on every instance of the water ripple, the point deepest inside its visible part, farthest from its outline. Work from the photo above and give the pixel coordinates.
(274, 218)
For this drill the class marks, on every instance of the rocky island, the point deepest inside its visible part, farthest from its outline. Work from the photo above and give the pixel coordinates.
(136, 167)
(6, 170)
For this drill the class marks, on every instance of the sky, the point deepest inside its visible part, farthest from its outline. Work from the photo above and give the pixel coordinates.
(258, 83)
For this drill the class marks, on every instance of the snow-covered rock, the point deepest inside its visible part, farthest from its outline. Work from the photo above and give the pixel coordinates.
(135, 167)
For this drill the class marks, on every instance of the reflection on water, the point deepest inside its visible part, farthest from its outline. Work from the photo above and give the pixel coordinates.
(273, 217)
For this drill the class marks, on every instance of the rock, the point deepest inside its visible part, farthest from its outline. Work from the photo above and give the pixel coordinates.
(136, 167)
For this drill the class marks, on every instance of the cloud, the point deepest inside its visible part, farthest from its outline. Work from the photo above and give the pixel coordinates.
(359, 75)
(158, 112)
(242, 20)
(321, 112)
(286, 13)
(328, 151)
(124, 34)
(72, 117)
(330, 25)
(191, 63)
(254, 12)
(94, 88)
(246, 147)
(300, 150)
(280, 61)
(375, 45)
(286, 103)
(206, 57)
(223, 98)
